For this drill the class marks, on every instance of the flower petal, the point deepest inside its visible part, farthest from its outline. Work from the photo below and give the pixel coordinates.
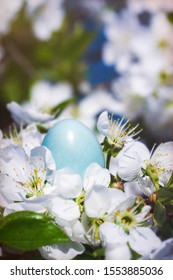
(143, 240)
(45, 156)
(103, 123)
(117, 196)
(164, 153)
(69, 184)
(64, 209)
(14, 162)
(132, 188)
(31, 138)
(97, 202)
(128, 203)
(24, 206)
(78, 232)
(23, 115)
(10, 189)
(163, 158)
(146, 185)
(96, 175)
(118, 252)
(112, 234)
(131, 160)
(62, 251)
(164, 252)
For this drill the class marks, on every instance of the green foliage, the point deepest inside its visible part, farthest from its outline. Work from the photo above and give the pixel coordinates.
(41, 128)
(159, 213)
(27, 230)
(98, 253)
(163, 210)
(170, 181)
(29, 59)
(56, 111)
(92, 254)
(165, 195)
(135, 255)
(166, 230)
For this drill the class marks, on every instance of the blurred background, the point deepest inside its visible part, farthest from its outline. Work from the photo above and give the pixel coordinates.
(114, 55)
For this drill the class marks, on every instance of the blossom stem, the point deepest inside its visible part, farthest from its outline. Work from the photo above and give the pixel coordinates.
(170, 181)
(108, 160)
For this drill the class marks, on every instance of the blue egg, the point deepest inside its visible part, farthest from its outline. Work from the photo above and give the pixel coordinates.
(73, 145)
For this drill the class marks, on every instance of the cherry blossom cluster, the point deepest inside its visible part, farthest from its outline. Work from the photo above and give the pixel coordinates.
(109, 208)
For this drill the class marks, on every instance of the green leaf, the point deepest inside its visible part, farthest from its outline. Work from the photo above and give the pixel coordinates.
(159, 213)
(170, 181)
(98, 253)
(57, 110)
(27, 230)
(41, 128)
(165, 195)
(135, 255)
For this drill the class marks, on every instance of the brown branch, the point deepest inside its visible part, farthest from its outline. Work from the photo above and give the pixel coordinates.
(20, 59)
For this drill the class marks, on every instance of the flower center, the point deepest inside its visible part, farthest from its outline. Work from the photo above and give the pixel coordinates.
(119, 130)
(80, 201)
(14, 135)
(153, 170)
(93, 233)
(125, 219)
(34, 184)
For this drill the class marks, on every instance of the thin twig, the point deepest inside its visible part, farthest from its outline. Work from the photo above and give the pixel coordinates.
(20, 59)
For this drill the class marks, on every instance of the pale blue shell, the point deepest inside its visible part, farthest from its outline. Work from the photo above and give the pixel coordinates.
(73, 145)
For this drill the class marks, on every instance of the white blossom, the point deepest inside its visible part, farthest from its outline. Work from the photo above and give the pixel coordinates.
(47, 16)
(44, 97)
(71, 190)
(26, 179)
(163, 252)
(28, 138)
(117, 131)
(99, 204)
(136, 158)
(128, 226)
(67, 206)
(124, 36)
